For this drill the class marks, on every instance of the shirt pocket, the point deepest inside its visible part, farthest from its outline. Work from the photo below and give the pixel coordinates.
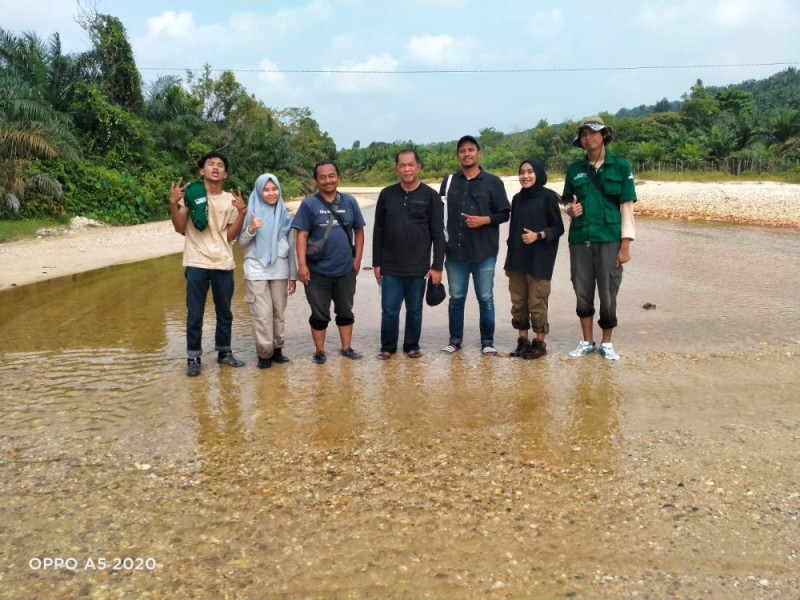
(418, 212)
(613, 188)
(612, 213)
(580, 188)
(480, 203)
(613, 183)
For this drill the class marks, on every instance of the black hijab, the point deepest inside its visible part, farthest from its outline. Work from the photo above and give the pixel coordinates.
(541, 177)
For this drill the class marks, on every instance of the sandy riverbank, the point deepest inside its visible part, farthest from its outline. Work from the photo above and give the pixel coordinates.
(88, 248)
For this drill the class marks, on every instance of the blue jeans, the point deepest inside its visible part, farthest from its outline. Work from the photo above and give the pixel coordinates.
(394, 290)
(458, 272)
(197, 284)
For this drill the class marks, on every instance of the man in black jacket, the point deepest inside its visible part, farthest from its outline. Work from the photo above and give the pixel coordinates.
(408, 222)
(476, 206)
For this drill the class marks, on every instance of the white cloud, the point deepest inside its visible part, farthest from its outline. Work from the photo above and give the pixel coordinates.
(175, 40)
(661, 17)
(354, 83)
(547, 23)
(170, 24)
(345, 45)
(280, 25)
(271, 77)
(289, 20)
(733, 14)
(441, 50)
(744, 14)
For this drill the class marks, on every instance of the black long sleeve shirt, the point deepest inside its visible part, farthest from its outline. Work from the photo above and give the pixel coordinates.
(539, 213)
(407, 225)
(483, 195)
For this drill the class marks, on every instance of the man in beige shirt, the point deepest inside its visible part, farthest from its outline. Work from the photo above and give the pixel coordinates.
(214, 224)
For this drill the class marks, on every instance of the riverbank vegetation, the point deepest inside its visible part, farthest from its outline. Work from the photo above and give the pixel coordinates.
(749, 130)
(18, 229)
(82, 134)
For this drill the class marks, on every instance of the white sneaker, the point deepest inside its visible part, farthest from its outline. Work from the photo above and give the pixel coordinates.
(584, 347)
(488, 350)
(608, 352)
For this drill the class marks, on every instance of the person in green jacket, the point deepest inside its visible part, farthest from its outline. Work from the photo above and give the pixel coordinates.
(599, 193)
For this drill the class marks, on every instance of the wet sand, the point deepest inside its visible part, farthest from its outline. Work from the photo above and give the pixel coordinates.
(672, 473)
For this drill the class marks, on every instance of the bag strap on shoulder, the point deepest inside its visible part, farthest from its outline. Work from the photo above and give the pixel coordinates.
(592, 174)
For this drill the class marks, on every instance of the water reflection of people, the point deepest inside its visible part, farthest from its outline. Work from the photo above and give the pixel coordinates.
(599, 193)
(270, 269)
(408, 222)
(595, 421)
(210, 227)
(533, 235)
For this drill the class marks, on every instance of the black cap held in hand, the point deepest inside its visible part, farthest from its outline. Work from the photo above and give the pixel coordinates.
(435, 294)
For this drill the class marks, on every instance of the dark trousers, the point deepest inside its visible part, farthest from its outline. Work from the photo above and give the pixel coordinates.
(321, 290)
(197, 284)
(594, 266)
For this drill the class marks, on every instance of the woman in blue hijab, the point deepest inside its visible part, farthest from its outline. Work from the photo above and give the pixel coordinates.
(270, 268)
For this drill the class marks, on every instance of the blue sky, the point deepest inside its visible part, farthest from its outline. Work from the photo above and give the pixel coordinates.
(552, 38)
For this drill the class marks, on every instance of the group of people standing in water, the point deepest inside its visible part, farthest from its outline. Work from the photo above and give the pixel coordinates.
(418, 233)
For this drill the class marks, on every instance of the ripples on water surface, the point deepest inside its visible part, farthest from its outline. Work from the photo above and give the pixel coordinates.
(104, 351)
(94, 396)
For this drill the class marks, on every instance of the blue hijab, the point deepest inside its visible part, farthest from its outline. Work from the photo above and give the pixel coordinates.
(275, 220)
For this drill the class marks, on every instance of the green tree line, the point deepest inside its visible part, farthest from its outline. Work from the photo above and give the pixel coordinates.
(81, 134)
(756, 122)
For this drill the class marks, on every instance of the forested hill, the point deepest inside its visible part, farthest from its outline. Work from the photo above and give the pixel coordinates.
(752, 126)
(781, 90)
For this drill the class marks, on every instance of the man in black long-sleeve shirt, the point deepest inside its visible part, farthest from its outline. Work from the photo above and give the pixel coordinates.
(476, 206)
(408, 222)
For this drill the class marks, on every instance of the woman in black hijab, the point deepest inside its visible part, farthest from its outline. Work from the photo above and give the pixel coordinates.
(533, 234)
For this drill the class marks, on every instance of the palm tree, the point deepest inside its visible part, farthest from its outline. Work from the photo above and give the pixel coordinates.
(29, 125)
(50, 73)
(783, 128)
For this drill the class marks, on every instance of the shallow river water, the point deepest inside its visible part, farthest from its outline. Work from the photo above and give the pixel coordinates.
(671, 473)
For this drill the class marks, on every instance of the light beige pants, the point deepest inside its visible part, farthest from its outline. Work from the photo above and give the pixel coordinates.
(266, 300)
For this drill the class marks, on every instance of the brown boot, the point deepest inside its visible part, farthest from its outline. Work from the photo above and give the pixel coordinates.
(522, 346)
(536, 350)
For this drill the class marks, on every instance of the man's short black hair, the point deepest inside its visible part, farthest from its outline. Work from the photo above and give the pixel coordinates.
(407, 151)
(465, 139)
(213, 154)
(323, 163)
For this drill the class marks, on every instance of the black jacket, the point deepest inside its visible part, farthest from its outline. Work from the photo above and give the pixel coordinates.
(483, 195)
(536, 209)
(407, 224)
(538, 213)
